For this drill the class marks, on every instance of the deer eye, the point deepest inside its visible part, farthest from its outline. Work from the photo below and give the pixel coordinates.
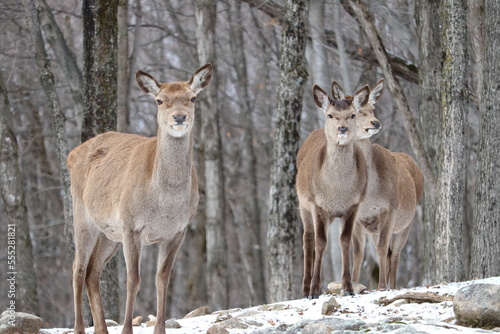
(353, 116)
(193, 99)
(158, 102)
(330, 116)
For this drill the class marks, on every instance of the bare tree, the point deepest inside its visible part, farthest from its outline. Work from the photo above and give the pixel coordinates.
(485, 250)
(100, 96)
(453, 154)
(214, 181)
(284, 233)
(20, 249)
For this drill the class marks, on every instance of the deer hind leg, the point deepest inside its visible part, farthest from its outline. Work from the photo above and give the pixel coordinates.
(132, 248)
(358, 250)
(86, 236)
(386, 226)
(398, 241)
(102, 253)
(166, 258)
(308, 245)
(320, 242)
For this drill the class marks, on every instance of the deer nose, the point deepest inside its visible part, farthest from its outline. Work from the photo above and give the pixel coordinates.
(343, 129)
(376, 124)
(179, 119)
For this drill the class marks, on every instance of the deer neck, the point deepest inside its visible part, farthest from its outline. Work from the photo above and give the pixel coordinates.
(366, 147)
(339, 159)
(173, 160)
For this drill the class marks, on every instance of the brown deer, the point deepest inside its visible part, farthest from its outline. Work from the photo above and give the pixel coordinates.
(136, 191)
(395, 186)
(331, 182)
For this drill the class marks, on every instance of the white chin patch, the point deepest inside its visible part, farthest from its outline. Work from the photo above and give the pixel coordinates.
(372, 131)
(342, 138)
(178, 130)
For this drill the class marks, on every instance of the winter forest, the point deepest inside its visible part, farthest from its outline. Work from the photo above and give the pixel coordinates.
(67, 73)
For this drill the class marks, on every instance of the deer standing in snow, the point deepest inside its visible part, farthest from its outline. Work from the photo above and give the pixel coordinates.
(395, 186)
(331, 182)
(135, 191)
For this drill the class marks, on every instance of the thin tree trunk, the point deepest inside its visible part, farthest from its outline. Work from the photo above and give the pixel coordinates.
(122, 117)
(339, 37)
(20, 268)
(100, 86)
(249, 157)
(428, 34)
(453, 154)
(485, 252)
(58, 118)
(65, 57)
(283, 235)
(205, 13)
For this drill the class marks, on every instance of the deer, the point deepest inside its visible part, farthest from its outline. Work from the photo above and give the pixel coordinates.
(135, 191)
(331, 182)
(395, 186)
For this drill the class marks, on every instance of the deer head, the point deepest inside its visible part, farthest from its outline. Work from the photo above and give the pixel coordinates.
(340, 124)
(176, 101)
(368, 124)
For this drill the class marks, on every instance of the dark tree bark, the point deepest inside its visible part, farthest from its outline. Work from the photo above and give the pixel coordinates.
(205, 13)
(485, 252)
(283, 235)
(20, 265)
(428, 34)
(453, 154)
(100, 95)
(122, 117)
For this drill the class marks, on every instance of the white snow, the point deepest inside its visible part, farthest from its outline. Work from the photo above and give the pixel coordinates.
(425, 317)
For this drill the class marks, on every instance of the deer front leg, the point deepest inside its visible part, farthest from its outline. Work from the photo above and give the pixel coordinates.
(320, 241)
(166, 258)
(345, 244)
(132, 248)
(308, 246)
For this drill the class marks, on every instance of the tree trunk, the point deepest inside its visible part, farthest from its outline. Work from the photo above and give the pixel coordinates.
(20, 269)
(100, 94)
(453, 154)
(251, 196)
(205, 13)
(485, 252)
(58, 118)
(428, 34)
(283, 231)
(122, 117)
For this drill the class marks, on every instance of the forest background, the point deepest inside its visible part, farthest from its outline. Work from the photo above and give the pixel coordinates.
(67, 73)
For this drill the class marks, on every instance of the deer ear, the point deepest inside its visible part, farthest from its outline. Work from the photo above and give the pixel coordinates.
(376, 92)
(320, 97)
(201, 78)
(147, 83)
(361, 97)
(337, 91)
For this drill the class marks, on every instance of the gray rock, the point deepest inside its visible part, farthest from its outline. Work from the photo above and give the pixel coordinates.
(325, 326)
(335, 288)
(172, 323)
(12, 322)
(330, 306)
(111, 323)
(478, 305)
(217, 329)
(204, 310)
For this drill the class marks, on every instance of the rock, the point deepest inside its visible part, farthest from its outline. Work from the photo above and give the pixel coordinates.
(477, 305)
(326, 325)
(111, 323)
(137, 321)
(198, 312)
(12, 322)
(172, 323)
(217, 329)
(233, 323)
(335, 288)
(330, 306)
(152, 321)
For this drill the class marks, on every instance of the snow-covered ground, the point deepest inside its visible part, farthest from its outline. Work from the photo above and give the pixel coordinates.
(425, 317)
